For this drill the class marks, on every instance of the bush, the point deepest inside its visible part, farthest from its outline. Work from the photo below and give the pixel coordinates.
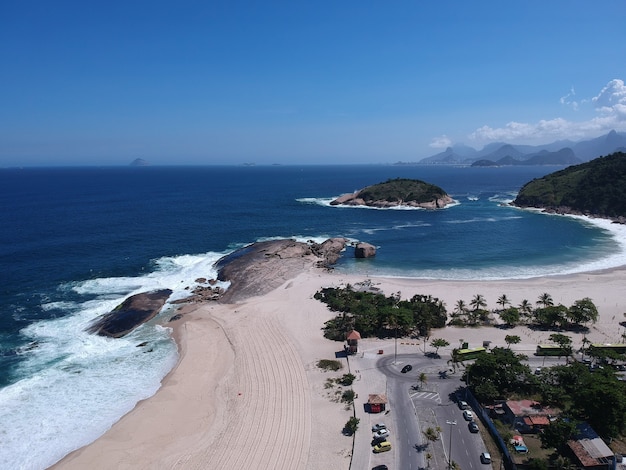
(347, 379)
(352, 425)
(329, 364)
(348, 396)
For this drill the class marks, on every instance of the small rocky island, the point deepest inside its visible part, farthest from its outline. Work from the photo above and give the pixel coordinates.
(395, 193)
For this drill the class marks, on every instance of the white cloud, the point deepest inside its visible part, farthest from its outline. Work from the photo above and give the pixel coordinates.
(440, 142)
(610, 103)
(568, 100)
(611, 100)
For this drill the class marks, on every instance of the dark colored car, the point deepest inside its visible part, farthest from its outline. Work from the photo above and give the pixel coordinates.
(380, 467)
(473, 427)
(378, 440)
(406, 368)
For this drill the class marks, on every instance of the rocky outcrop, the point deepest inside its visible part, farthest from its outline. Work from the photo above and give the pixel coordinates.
(329, 251)
(134, 311)
(364, 250)
(263, 266)
(354, 200)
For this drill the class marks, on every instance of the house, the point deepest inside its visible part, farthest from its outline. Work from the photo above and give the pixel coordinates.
(590, 450)
(528, 416)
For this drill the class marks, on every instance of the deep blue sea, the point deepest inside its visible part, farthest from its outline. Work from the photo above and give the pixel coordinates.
(75, 242)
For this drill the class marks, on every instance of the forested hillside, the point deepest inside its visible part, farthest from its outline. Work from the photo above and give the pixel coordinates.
(596, 188)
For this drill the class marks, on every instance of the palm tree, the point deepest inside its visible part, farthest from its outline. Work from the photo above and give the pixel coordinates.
(525, 308)
(545, 300)
(503, 301)
(423, 378)
(460, 308)
(478, 302)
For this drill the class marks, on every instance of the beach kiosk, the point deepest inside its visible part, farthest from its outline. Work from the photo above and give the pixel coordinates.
(376, 403)
(353, 338)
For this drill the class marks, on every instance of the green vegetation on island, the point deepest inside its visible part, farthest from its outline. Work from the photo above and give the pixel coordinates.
(595, 188)
(399, 191)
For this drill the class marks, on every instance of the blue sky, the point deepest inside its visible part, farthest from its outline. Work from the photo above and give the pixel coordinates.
(98, 83)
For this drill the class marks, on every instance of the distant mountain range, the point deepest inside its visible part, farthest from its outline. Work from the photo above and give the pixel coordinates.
(563, 152)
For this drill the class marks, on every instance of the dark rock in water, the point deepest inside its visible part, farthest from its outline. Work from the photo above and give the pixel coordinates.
(131, 313)
(364, 250)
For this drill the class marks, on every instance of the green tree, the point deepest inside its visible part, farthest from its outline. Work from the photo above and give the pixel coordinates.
(553, 316)
(510, 316)
(503, 301)
(512, 339)
(439, 343)
(564, 342)
(601, 401)
(558, 433)
(499, 373)
(583, 311)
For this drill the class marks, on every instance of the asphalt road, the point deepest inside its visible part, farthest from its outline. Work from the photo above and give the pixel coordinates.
(433, 404)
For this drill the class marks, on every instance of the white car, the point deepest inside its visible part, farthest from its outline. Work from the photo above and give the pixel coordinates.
(384, 432)
(378, 427)
(468, 415)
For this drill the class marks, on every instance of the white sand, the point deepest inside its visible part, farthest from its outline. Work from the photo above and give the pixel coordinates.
(247, 393)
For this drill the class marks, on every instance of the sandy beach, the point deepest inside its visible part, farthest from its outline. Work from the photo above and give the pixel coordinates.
(246, 392)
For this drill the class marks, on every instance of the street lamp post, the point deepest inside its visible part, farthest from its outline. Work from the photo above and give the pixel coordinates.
(451, 423)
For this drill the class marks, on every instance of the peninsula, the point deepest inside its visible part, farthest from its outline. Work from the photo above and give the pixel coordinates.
(399, 192)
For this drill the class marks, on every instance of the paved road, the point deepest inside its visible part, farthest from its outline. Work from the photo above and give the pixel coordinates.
(413, 408)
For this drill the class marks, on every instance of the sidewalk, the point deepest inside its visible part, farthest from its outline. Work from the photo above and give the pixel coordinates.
(368, 381)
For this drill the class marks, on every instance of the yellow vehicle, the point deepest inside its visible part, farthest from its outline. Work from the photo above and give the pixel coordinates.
(382, 447)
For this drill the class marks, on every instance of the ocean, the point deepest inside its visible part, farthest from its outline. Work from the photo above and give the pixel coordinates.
(75, 242)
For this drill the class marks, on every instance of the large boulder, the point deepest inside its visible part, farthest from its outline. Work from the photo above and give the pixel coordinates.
(364, 250)
(134, 311)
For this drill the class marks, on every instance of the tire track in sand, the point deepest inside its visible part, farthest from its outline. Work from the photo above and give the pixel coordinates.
(270, 418)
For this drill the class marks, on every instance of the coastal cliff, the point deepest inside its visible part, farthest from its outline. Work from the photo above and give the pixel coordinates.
(399, 192)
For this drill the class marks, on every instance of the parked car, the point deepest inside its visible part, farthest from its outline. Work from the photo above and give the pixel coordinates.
(463, 405)
(468, 415)
(381, 433)
(382, 447)
(538, 371)
(485, 457)
(378, 440)
(380, 467)
(406, 368)
(473, 427)
(378, 427)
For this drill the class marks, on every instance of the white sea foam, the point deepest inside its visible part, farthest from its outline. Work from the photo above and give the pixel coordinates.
(481, 220)
(75, 385)
(327, 202)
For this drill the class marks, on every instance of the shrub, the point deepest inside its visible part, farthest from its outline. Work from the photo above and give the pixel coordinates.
(329, 364)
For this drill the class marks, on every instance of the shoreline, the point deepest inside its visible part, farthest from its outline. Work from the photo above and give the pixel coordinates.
(246, 377)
